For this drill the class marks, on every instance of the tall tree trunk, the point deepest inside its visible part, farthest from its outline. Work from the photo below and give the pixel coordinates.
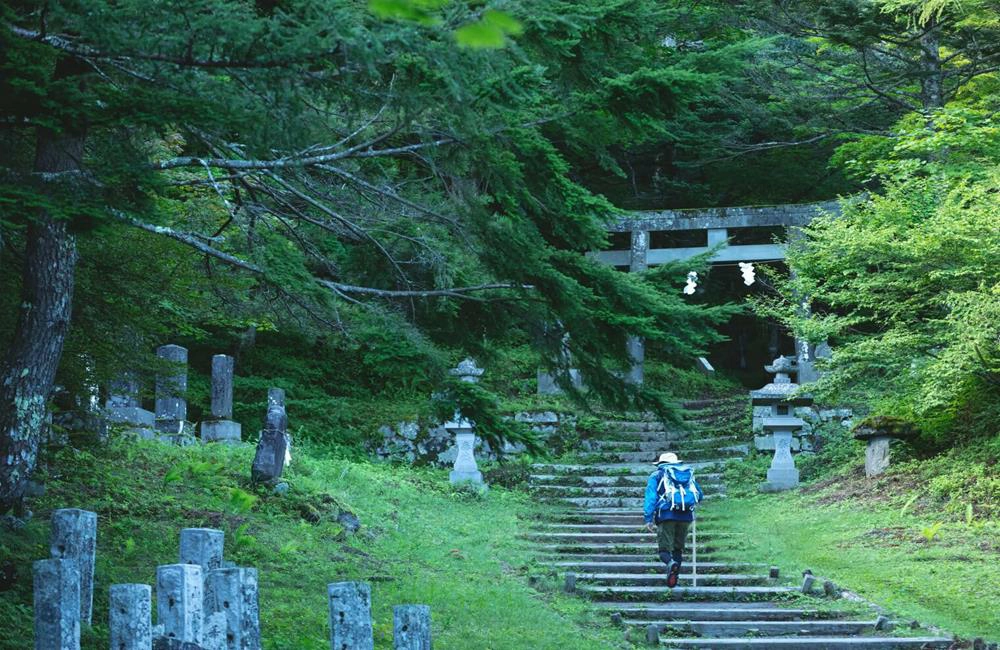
(29, 366)
(932, 74)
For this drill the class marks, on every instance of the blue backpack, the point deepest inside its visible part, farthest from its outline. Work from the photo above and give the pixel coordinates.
(677, 489)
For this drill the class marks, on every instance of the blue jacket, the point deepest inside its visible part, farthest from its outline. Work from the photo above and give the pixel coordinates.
(653, 500)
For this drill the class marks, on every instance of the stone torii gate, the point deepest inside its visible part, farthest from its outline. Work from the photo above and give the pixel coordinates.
(662, 236)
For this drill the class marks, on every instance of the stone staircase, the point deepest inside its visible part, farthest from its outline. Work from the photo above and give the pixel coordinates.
(598, 543)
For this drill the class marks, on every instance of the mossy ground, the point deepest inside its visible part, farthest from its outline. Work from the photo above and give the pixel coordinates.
(875, 537)
(420, 542)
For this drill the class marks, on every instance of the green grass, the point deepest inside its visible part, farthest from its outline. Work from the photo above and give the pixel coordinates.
(420, 542)
(878, 550)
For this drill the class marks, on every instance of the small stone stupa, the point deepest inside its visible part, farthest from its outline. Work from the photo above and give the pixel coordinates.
(781, 397)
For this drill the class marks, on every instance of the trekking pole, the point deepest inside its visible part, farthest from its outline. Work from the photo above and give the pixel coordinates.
(694, 554)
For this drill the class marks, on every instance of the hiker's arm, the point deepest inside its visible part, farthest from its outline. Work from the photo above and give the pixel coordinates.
(650, 503)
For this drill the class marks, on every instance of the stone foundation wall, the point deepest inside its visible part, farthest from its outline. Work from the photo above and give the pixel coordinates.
(429, 443)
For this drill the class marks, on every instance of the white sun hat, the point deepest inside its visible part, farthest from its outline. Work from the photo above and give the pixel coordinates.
(668, 457)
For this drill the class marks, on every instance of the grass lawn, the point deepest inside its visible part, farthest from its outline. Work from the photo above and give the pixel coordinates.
(878, 549)
(420, 542)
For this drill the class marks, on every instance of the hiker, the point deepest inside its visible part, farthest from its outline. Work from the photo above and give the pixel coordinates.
(671, 496)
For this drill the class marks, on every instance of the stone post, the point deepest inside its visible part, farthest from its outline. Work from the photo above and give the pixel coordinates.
(465, 468)
(637, 353)
(411, 627)
(57, 605)
(130, 617)
(180, 601)
(233, 592)
(171, 405)
(877, 455)
(221, 427)
(350, 616)
(273, 447)
(74, 538)
(203, 547)
(635, 346)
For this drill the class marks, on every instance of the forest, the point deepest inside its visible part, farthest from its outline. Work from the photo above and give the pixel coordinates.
(349, 197)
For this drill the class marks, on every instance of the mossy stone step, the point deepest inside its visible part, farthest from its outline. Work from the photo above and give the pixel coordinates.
(710, 592)
(718, 611)
(811, 643)
(757, 627)
(659, 580)
(618, 566)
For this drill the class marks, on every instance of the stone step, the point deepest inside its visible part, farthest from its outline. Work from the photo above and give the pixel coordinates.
(628, 516)
(656, 446)
(633, 480)
(697, 454)
(623, 528)
(615, 469)
(717, 611)
(634, 491)
(617, 566)
(812, 643)
(663, 436)
(622, 555)
(753, 627)
(711, 592)
(616, 502)
(660, 579)
(626, 552)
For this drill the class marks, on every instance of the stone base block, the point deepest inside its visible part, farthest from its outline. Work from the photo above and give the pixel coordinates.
(181, 439)
(133, 415)
(780, 479)
(461, 476)
(224, 431)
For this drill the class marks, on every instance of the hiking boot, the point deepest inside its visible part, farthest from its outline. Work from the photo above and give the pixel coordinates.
(673, 573)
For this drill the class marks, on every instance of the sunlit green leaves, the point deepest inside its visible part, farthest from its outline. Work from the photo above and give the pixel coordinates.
(489, 32)
(419, 11)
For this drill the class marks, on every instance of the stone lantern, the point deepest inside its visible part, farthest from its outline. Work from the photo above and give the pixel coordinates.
(465, 468)
(781, 423)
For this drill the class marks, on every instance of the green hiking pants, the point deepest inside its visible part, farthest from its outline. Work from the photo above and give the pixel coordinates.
(670, 538)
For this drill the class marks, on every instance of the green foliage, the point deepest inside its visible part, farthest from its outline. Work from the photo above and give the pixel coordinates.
(420, 541)
(511, 474)
(914, 324)
(931, 532)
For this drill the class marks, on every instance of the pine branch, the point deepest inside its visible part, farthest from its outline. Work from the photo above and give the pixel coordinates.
(193, 241)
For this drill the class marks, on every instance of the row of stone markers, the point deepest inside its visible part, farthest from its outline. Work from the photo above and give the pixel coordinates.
(202, 603)
(169, 422)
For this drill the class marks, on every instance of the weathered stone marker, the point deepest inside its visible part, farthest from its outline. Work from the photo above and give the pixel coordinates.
(411, 627)
(233, 592)
(350, 616)
(272, 449)
(221, 427)
(74, 538)
(130, 610)
(465, 468)
(57, 605)
(652, 634)
(569, 584)
(203, 547)
(171, 405)
(214, 632)
(180, 601)
(123, 406)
